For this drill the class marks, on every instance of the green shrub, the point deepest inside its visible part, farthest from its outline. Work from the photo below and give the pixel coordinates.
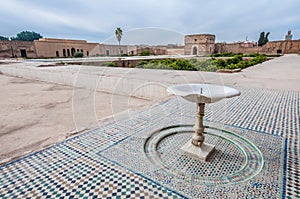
(193, 61)
(247, 63)
(176, 64)
(232, 66)
(220, 63)
(260, 58)
(211, 65)
(167, 61)
(211, 68)
(236, 59)
(277, 55)
(113, 64)
(241, 65)
(181, 64)
(143, 62)
(110, 64)
(154, 61)
(145, 53)
(78, 54)
(204, 65)
(216, 55)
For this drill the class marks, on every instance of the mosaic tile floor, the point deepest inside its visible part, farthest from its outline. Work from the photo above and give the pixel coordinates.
(257, 154)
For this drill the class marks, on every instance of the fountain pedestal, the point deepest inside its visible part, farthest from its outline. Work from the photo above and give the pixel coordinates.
(201, 94)
(197, 147)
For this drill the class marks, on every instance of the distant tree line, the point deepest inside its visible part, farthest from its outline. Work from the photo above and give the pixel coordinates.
(23, 36)
(4, 38)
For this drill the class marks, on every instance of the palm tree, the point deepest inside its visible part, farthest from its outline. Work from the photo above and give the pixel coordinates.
(119, 33)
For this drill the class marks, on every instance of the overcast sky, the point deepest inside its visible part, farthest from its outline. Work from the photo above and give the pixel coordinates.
(151, 21)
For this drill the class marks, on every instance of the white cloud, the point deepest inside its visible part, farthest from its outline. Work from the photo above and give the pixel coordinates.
(150, 35)
(229, 20)
(25, 11)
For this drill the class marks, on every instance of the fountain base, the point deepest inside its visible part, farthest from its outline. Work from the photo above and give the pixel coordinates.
(201, 94)
(201, 153)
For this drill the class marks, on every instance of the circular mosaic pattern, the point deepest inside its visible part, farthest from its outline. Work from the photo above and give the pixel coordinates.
(235, 158)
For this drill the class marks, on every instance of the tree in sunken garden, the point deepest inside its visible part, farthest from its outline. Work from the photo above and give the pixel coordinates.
(2, 38)
(119, 34)
(263, 39)
(27, 36)
(266, 39)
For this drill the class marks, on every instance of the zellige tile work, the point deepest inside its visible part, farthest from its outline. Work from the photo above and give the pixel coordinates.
(257, 154)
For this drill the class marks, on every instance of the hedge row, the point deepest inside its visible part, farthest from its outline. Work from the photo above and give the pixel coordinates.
(175, 64)
(238, 62)
(211, 65)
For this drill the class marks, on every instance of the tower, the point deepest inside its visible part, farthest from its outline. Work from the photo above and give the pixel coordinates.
(199, 44)
(289, 35)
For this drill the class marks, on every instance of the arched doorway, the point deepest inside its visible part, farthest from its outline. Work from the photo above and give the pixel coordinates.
(73, 51)
(195, 50)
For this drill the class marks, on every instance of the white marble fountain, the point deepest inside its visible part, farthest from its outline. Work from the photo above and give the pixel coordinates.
(201, 94)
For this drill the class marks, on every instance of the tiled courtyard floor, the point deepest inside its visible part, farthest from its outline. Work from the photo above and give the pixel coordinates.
(256, 137)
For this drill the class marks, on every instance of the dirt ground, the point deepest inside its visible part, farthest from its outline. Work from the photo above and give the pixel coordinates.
(37, 114)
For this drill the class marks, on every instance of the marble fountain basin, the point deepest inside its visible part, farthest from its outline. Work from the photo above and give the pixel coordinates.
(203, 93)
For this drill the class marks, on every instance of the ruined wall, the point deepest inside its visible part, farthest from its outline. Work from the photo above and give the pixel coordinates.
(153, 50)
(282, 47)
(236, 48)
(114, 50)
(199, 44)
(62, 47)
(51, 48)
(175, 51)
(17, 49)
(272, 47)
